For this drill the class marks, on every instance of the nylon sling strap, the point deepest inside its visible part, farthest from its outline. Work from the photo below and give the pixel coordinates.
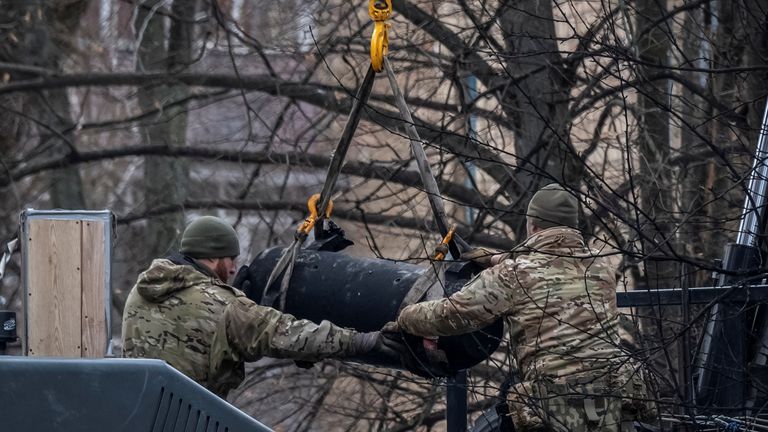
(346, 138)
(429, 286)
(432, 281)
(288, 257)
(427, 178)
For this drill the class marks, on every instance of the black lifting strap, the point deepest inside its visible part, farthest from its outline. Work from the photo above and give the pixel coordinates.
(288, 257)
(427, 178)
(334, 169)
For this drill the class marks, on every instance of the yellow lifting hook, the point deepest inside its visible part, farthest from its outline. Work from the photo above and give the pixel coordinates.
(380, 11)
(442, 249)
(309, 223)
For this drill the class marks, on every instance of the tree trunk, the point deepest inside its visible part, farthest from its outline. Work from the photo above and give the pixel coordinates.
(655, 187)
(653, 142)
(696, 130)
(754, 16)
(66, 184)
(728, 49)
(42, 33)
(537, 103)
(165, 178)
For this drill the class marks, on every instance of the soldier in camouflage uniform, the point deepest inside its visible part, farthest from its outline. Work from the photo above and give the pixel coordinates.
(182, 311)
(559, 299)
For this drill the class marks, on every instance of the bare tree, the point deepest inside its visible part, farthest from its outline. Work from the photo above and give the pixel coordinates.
(166, 179)
(647, 110)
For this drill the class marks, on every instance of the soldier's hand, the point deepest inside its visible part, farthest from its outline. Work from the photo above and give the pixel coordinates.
(391, 327)
(398, 349)
(484, 257)
(379, 345)
(391, 345)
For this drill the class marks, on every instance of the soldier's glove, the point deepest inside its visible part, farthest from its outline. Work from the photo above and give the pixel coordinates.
(391, 327)
(365, 343)
(392, 332)
(483, 257)
(393, 346)
(436, 358)
(380, 348)
(505, 421)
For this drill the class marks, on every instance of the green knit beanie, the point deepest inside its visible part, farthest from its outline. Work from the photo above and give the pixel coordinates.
(209, 237)
(553, 206)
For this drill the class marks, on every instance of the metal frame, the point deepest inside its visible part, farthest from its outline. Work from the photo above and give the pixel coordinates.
(698, 295)
(105, 216)
(136, 395)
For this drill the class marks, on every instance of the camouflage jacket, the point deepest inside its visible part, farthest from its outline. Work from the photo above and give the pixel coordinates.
(558, 297)
(207, 329)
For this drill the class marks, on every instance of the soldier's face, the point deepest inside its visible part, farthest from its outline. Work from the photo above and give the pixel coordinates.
(225, 268)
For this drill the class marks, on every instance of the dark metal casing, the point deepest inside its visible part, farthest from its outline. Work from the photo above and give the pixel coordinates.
(365, 294)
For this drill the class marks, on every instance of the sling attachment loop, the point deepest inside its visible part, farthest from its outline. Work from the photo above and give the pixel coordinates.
(380, 11)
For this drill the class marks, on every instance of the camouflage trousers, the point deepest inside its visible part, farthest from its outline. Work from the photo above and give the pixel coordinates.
(567, 405)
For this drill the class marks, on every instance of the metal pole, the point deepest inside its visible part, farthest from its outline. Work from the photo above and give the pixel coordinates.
(456, 403)
(749, 231)
(721, 364)
(685, 345)
(758, 182)
(697, 295)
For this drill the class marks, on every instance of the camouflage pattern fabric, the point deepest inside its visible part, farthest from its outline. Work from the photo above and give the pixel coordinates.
(565, 405)
(207, 329)
(559, 299)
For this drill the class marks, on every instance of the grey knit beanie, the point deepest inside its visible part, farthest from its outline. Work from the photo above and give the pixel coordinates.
(210, 237)
(553, 206)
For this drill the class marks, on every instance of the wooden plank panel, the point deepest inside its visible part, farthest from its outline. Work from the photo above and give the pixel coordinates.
(54, 287)
(94, 319)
